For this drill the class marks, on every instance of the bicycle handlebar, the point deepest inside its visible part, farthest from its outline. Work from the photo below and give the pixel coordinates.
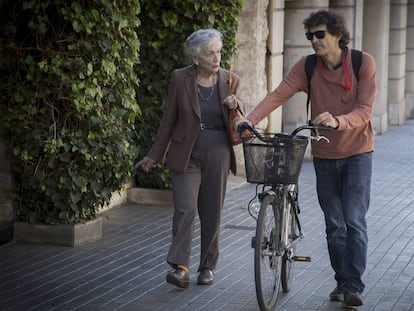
(310, 126)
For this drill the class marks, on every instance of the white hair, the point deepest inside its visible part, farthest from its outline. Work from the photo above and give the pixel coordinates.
(200, 40)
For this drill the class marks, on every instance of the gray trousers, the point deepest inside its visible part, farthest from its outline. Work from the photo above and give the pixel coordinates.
(201, 188)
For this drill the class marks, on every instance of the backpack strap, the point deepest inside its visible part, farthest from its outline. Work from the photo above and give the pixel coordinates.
(310, 64)
(356, 56)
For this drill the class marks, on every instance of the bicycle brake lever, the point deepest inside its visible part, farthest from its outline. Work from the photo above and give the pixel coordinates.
(319, 137)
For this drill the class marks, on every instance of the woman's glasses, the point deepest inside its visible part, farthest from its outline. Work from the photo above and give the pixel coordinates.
(320, 34)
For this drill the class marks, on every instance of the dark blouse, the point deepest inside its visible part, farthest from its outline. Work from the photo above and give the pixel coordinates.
(208, 97)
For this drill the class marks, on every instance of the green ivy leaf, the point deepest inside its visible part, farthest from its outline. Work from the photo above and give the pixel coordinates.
(89, 70)
(18, 98)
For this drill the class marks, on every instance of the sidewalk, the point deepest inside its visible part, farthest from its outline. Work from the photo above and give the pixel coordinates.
(125, 270)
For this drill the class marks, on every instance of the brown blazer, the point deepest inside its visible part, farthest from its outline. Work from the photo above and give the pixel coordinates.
(180, 124)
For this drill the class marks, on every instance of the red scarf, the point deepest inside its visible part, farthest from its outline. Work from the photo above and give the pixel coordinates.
(348, 81)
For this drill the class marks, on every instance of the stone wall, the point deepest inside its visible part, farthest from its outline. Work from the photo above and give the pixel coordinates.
(409, 70)
(250, 59)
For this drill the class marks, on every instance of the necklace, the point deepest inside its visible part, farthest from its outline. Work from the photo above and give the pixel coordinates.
(209, 96)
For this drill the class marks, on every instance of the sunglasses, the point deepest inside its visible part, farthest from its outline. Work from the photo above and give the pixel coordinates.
(320, 34)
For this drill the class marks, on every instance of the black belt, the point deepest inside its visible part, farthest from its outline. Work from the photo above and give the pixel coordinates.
(209, 126)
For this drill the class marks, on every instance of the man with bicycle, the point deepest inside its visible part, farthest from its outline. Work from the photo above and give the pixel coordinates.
(343, 100)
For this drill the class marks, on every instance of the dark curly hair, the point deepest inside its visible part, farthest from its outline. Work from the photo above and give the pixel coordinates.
(335, 25)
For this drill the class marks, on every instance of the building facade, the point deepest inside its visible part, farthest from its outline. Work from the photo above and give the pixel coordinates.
(271, 39)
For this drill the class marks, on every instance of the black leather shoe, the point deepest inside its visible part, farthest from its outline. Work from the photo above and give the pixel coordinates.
(206, 277)
(353, 299)
(179, 278)
(337, 294)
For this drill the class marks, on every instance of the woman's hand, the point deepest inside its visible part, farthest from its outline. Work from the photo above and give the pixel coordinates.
(145, 164)
(231, 102)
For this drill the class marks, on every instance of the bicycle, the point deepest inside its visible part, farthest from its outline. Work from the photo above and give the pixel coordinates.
(273, 161)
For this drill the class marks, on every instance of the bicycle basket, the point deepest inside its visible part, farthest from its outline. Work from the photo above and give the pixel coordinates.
(275, 162)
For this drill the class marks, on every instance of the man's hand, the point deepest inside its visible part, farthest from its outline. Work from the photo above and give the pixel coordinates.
(241, 120)
(326, 119)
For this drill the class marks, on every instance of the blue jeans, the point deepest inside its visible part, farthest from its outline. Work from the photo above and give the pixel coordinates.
(343, 188)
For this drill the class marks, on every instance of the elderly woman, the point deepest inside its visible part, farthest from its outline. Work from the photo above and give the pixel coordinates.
(194, 141)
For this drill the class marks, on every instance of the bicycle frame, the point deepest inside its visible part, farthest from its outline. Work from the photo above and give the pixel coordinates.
(293, 204)
(287, 196)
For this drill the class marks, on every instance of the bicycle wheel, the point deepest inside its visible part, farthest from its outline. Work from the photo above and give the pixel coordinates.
(291, 231)
(267, 258)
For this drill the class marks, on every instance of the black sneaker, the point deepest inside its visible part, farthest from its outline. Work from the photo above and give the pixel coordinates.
(353, 299)
(337, 294)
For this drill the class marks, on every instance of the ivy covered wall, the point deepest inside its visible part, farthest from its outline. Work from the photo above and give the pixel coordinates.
(68, 103)
(82, 90)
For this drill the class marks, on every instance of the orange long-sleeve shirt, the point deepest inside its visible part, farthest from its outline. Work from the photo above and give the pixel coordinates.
(353, 108)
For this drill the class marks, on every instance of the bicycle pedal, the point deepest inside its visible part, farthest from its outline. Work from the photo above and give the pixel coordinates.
(301, 258)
